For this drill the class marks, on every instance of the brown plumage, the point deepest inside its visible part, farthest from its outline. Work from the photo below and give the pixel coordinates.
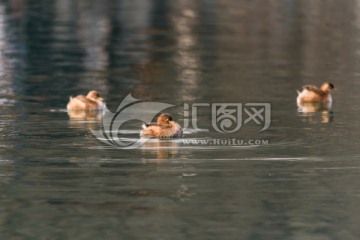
(165, 127)
(312, 93)
(91, 102)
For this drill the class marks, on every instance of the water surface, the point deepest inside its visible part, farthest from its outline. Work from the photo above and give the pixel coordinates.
(58, 181)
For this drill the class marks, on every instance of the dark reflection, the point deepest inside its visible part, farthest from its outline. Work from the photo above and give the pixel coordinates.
(114, 45)
(93, 29)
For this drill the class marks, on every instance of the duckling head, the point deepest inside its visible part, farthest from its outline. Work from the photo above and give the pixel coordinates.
(326, 87)
(164, 119)
(95, 96)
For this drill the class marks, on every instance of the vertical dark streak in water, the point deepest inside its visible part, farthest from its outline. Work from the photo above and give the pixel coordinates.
(161, 39)
(51, 71)
(39, 31)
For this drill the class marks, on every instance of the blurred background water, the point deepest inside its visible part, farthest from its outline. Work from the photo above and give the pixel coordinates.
(59, 182)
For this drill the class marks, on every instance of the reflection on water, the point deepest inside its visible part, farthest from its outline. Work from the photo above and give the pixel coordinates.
(314, 117)
(164, 149)
(57, 179)
(316, 112)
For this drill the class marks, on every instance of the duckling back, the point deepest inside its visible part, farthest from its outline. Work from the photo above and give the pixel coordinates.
(155, 131)
(81, 103)
(91, 102)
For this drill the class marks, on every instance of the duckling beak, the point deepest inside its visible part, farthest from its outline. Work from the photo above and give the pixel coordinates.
(100, 99)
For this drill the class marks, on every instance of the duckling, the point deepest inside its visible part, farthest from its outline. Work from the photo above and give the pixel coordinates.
(91, 102)
(165, 127)
(311, 94)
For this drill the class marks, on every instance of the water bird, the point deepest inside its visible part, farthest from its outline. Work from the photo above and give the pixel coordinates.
(312, 94)
(91, 102)
(165, 127)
